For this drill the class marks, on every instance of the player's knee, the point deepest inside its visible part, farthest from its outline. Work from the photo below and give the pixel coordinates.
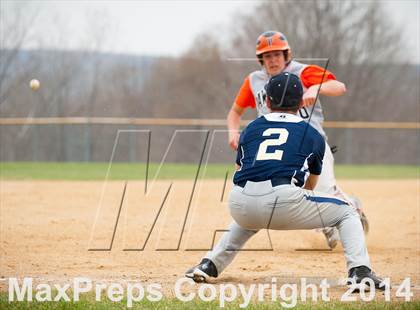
(348, 215)
(246, 223)
(349, 211)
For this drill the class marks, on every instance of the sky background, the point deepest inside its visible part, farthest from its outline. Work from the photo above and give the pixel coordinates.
(160, 27)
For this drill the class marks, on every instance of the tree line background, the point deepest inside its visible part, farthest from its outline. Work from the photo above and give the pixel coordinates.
(365, 51)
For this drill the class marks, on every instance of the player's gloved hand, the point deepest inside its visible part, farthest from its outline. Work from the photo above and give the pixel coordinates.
(309, 96)
(234, 139)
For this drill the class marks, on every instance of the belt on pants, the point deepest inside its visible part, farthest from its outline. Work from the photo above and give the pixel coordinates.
(274, 182)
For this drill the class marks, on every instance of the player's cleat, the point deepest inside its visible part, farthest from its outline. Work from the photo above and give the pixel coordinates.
(360, 273)
(204, 270)
(332, 236)
(358, 205)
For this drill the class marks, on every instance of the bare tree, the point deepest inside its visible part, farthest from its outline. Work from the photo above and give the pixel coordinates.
(195, 85)
(16, 19)
(357, 37)
(341, 30)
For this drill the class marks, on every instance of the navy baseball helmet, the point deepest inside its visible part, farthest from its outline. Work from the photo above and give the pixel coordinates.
(284, 91)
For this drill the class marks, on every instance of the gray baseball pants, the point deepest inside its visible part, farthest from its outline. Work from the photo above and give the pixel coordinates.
(259, 205)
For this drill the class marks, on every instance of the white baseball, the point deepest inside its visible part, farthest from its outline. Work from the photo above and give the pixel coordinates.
(34, 84)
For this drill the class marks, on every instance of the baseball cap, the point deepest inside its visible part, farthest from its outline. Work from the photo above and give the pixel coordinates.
(284, 91)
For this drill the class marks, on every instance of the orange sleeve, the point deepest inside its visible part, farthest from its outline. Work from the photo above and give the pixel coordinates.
(312, 75)
(245, 97)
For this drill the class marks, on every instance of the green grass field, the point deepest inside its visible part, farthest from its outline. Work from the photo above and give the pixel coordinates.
(196, 304)
(129, 171)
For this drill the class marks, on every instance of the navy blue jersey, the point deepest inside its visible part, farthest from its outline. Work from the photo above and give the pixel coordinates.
(279, 145)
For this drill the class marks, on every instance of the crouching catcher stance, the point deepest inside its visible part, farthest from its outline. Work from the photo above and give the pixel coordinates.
(279, 161)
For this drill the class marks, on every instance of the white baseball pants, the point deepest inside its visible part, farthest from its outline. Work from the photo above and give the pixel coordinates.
(327, 182)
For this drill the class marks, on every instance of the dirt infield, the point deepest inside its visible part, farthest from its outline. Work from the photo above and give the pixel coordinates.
(47, 229)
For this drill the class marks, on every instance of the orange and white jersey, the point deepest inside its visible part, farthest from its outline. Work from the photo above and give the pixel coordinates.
(252, 92)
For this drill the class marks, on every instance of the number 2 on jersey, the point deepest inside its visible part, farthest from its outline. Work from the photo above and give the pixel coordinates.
(282, 138)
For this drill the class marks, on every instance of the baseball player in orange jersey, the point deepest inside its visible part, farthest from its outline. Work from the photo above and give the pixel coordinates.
(275, 56)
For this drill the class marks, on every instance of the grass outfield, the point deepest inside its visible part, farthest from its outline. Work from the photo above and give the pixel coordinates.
(90, 303)
(129, 171)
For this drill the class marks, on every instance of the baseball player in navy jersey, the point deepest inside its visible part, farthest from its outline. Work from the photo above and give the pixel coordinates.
(275, 56)
(279, 160)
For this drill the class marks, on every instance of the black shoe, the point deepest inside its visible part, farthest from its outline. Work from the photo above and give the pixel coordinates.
(204, 270)
(361, 272)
